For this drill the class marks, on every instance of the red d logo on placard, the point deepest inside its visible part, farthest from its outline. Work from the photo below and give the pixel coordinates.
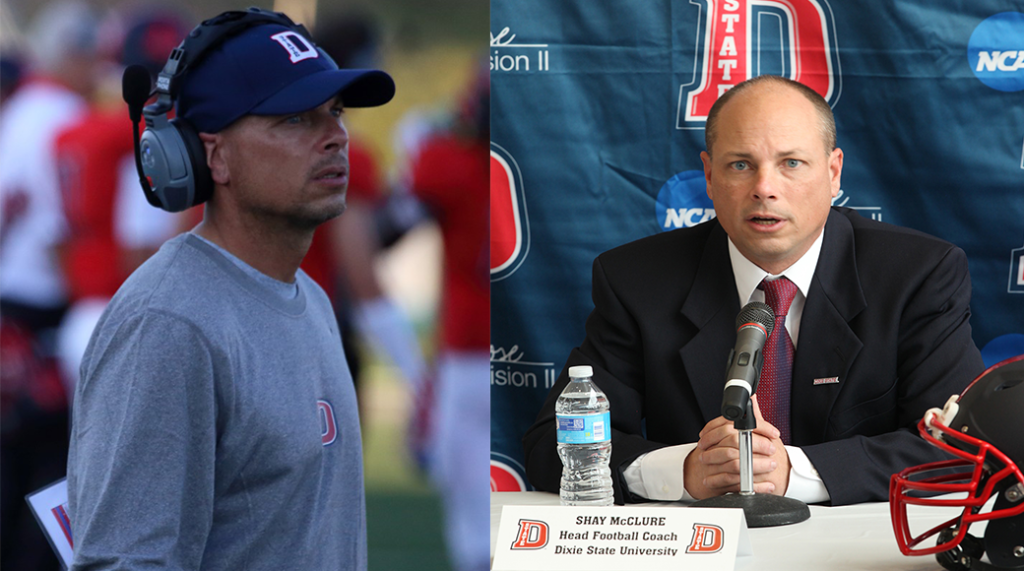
(532, 535)
(510, 226)
(706, 539)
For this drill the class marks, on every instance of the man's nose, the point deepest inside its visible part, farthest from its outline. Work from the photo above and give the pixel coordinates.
(765, 185)
(336, 135)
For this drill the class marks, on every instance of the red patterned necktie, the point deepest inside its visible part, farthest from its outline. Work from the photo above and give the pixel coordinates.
(777, 372)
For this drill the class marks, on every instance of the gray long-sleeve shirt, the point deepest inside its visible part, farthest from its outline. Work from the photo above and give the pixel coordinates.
(215, 426)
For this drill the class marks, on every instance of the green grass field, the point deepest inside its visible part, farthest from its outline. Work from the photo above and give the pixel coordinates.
(405, 523)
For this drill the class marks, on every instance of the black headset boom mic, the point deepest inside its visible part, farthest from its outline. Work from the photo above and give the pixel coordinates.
(135, 86)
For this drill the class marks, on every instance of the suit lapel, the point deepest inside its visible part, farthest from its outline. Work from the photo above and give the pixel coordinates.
(711, 306)
(827, 344)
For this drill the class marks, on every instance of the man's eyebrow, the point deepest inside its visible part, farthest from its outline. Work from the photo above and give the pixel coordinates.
(737, 155)
(748, 156)
(796, 151)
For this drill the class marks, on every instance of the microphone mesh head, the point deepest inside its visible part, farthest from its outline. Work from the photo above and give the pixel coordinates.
(135, 86)
(757, 312)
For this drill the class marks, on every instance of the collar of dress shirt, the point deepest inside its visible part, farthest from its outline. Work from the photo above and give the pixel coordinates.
(748, 276)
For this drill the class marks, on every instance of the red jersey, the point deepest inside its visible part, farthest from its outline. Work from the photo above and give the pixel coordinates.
(451, 175)
(89, 154)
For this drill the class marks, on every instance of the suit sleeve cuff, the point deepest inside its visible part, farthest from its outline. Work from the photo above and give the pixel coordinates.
(658, 475)
(804, 482)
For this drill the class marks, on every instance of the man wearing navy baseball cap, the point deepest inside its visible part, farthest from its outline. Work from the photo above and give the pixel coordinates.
(215, 423)
(272, 70)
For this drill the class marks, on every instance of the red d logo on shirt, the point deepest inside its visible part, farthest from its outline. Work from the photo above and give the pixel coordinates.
(328, 426)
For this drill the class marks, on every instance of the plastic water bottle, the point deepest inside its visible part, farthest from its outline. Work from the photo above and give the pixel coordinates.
(584, 441)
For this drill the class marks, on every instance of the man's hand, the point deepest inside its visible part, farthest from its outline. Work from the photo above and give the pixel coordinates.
(713, 467)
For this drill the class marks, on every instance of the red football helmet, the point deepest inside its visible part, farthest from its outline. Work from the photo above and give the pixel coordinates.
(984, 429)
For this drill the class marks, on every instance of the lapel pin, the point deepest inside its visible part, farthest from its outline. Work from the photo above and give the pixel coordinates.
(827, 381)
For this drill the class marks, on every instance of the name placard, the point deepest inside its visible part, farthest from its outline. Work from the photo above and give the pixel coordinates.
(562, 538)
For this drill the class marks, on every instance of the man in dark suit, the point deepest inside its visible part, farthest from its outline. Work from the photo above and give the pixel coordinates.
(879, 326)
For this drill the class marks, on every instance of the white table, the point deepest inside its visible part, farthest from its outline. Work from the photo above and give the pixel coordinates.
(846, 538)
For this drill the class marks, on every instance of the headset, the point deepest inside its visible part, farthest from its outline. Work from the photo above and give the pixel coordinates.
(169, 156)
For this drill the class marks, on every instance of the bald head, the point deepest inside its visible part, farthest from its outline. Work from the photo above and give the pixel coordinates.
(827, 122)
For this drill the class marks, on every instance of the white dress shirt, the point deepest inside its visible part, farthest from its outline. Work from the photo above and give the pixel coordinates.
(658, 475)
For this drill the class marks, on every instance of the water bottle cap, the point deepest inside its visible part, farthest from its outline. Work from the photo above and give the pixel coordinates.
(580, 371)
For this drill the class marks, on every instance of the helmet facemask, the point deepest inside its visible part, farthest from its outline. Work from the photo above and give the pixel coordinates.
(980, 474)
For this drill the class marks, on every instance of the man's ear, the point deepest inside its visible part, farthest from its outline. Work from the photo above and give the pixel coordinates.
(835, 170)
(216, 157)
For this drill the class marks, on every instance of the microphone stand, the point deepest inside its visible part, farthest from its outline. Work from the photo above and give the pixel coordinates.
(760, 510)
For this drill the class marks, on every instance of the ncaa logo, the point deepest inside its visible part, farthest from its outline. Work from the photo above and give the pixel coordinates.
(1002, 348)
(996, 51)
(683, 202)
(505, 477)
(510, 226)
(741, 39)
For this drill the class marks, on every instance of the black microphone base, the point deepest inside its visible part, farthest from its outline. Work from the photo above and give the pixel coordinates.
(761, 510)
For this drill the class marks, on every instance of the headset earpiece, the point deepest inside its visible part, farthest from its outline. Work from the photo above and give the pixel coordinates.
(174, 163)
(202, 188)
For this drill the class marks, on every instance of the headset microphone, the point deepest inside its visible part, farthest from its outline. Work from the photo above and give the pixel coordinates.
(135, 89)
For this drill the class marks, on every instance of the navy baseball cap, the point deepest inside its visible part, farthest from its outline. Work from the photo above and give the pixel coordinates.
(271, 70)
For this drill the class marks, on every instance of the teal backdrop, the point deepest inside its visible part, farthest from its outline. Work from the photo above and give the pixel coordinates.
(597, 123)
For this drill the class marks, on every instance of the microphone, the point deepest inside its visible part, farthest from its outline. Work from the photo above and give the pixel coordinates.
(753, 326)
(135, 85)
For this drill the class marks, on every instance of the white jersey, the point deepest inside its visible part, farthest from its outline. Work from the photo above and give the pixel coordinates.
(31, 216)
(137, 224)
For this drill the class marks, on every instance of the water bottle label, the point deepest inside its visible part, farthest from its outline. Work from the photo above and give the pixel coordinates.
(584, 429)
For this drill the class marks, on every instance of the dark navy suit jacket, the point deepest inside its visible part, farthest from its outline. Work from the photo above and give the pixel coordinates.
(887, 313)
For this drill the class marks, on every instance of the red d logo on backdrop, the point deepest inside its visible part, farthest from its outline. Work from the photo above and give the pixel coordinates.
(504, 480)
(741, 39)
(510, 226)
(505, 477)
